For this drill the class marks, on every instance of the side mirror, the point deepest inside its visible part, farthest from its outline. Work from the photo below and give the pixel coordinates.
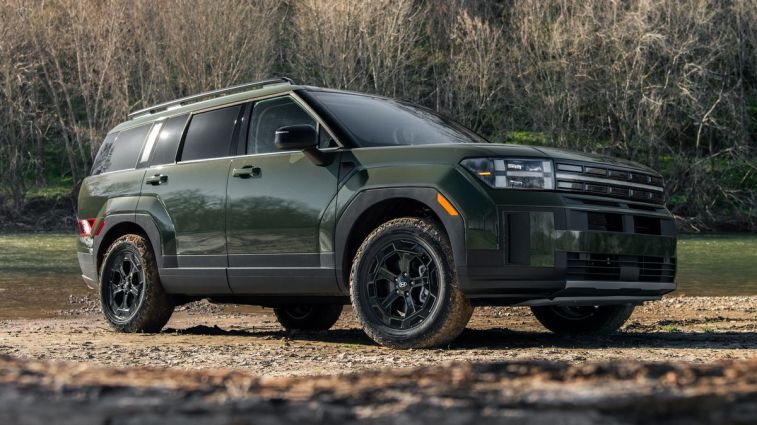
(301, 137)
(296, 137)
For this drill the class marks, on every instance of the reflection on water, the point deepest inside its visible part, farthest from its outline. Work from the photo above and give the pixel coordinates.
(38, 272)
(717, 264)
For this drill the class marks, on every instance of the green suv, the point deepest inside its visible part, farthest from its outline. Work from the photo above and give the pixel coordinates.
(306, 199)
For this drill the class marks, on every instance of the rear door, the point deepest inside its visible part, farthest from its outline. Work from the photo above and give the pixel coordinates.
(281, 215)
(184, 190)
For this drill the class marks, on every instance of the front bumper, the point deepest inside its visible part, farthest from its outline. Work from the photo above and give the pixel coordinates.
(575, 254)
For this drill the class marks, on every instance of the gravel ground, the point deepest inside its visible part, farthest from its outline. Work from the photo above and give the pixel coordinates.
(537, 393)
(201, 336)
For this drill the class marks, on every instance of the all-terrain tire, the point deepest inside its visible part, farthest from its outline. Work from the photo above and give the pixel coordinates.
(153, 306)
(451, 310)
(589, 320)
(308, 317)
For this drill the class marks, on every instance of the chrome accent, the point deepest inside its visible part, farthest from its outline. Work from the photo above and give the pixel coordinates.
(580, 178)
(598, 179)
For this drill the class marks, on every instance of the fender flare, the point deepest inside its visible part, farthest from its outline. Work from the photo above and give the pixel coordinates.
(454, 226)
(143, 221)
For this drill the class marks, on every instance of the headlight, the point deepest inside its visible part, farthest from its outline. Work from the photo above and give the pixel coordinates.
(534, 174)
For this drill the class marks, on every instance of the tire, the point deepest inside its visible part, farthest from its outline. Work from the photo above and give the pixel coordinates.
(308, 317)
(131, 296)
(588, 320)
(404, 288)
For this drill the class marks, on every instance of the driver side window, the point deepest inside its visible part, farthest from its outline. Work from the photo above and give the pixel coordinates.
(270, 115)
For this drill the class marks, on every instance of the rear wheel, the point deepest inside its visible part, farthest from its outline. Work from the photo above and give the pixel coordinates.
(131, 295)
(583, 320)
(308, 317)
(403, 286)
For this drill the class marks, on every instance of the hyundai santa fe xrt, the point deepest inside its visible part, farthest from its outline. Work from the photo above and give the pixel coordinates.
(307, 199)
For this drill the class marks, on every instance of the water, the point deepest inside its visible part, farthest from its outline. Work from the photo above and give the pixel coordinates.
(38, 272)
(717, 264)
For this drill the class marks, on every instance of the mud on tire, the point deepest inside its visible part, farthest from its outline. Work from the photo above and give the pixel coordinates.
(404, 288)
(131, 295)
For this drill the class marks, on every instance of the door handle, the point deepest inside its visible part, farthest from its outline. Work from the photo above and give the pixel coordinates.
(157, 179)
(246, 172)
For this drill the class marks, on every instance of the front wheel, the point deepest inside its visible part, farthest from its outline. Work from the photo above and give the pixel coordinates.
(132, 298)
(583, 320)
(403, 286)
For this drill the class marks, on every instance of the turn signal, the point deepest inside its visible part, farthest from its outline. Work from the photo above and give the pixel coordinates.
(446, 204)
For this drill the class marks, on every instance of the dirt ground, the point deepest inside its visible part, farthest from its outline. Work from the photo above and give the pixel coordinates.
(525, 393)
(201, 335)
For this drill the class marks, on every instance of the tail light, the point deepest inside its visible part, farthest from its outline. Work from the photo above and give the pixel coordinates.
(87, 227)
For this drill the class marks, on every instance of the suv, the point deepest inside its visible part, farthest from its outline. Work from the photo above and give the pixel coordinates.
(306, 199)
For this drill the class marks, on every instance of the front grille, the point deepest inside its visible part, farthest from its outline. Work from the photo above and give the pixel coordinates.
(589, 266)
(606, 181)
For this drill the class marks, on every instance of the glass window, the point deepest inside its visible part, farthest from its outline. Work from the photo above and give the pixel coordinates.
(270, 115)
(167, 144)
(324, 139)
(210, 134)
(374, 121)
(122, 152)
(102, 160)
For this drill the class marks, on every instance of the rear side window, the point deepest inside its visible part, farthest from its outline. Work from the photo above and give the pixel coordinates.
(102, 160)
(121, 152)
(270, 115)
(210, 134)
(167, 143)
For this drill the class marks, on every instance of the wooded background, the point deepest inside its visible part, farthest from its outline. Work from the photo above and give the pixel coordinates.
(669, 83)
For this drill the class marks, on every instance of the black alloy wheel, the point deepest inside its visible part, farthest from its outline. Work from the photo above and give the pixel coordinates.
(403, 284)
(131, 294)
(126, 281)
(404, 288)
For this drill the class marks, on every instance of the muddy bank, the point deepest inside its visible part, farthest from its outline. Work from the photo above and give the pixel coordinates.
(625, 392)
(39, 214)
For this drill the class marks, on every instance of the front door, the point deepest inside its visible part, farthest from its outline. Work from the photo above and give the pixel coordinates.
(280, 211)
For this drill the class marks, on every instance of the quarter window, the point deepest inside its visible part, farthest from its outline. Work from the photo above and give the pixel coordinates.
(270, 115)
(210, 134)
(121, 151)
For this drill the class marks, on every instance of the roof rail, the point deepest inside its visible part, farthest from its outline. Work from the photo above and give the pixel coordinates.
(197, 97)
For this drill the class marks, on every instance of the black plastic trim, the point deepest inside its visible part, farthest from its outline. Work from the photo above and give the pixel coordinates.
(364, 200)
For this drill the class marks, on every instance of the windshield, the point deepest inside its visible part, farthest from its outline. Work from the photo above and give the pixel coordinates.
(373, 121)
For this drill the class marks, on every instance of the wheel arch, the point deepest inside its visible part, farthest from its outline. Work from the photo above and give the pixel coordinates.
(373, 207)
(118, 225)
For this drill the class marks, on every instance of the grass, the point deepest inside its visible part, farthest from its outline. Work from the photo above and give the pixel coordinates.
(30, 254)
(670, 328)
(56, 187)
